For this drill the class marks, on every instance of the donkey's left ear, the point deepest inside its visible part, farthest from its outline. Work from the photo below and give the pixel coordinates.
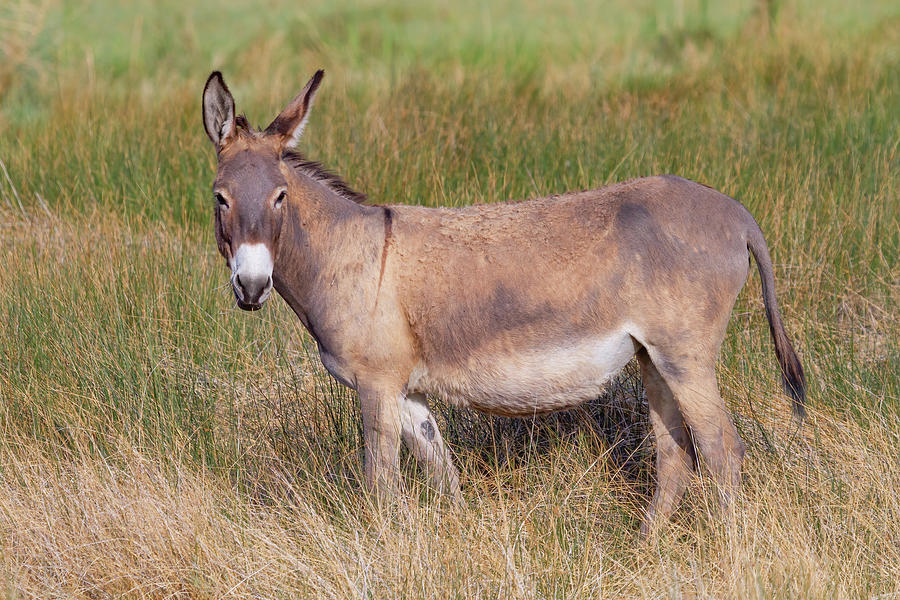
(290, 123)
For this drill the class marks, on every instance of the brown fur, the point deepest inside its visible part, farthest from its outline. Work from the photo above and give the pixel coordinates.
(516, 308)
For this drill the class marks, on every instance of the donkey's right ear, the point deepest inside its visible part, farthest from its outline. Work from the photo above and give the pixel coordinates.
(218, 110)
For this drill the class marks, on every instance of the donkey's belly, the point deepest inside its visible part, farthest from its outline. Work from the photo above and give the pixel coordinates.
(529, 382)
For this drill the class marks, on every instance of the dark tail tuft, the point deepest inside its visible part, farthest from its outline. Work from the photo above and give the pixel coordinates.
(792, 376)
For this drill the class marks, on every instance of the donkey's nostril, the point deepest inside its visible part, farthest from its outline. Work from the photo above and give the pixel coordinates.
(237, 279)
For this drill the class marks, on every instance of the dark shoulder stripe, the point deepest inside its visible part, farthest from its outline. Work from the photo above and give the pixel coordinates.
(388, 224)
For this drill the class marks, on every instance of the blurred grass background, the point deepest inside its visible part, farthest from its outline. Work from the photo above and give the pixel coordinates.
(155, 441)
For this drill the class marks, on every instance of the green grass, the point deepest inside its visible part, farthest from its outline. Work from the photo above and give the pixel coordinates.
(120, 348)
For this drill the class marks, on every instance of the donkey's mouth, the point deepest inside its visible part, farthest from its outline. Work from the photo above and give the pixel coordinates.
(249, 307)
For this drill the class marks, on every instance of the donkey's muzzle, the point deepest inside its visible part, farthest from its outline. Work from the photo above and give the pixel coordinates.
(251, 277)
(251, 291)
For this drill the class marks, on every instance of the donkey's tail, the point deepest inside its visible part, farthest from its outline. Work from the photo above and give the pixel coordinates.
(792, 376)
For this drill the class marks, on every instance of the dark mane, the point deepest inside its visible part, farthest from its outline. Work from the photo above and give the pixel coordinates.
(241, 122)
(311, 168)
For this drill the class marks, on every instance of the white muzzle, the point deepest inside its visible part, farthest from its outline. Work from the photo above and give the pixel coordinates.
(251, 275)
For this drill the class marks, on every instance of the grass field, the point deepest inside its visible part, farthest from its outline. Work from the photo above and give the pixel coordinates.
(155, 441)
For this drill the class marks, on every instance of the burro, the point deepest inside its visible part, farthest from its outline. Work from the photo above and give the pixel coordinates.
(514, 308)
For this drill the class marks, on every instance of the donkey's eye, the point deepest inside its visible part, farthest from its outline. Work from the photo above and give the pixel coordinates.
(280, 198)
(221, 201)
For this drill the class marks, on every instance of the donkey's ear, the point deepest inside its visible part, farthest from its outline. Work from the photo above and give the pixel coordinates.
(290, 123)
(218, 110)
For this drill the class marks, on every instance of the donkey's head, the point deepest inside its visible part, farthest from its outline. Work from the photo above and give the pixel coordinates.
(250, 185)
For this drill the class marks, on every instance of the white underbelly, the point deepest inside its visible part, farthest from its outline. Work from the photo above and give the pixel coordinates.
(532, 381)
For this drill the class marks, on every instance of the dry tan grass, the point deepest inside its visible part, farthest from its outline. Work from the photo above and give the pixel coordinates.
(819, 518)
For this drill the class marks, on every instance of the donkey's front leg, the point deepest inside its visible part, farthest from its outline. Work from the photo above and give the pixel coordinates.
(421, 435)
(380, 405)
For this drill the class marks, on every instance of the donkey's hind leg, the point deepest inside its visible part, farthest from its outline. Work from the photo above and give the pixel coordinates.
(675, 458)
(697, 395)
(421, 435)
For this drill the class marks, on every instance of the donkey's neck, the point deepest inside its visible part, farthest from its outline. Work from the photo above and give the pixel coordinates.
(328, 245)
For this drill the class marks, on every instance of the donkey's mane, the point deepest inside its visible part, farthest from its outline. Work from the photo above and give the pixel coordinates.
(313, 169)
(310, 168)
(241, 122)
